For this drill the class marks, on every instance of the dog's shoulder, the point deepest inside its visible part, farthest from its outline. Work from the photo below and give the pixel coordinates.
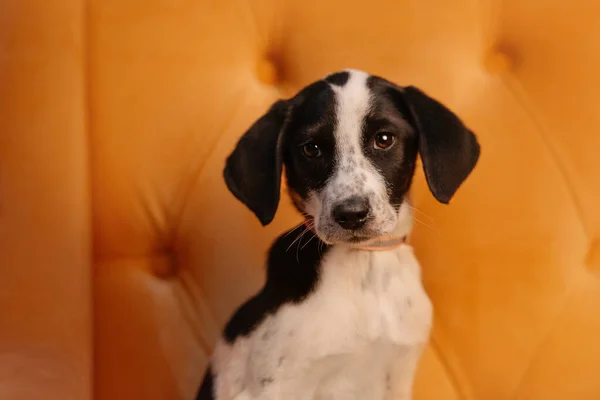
(292, 272)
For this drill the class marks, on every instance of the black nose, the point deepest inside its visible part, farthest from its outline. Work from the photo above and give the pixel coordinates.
(351, 213)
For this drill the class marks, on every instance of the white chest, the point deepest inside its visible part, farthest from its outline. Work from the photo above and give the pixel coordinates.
(366, 311)
(362, 298)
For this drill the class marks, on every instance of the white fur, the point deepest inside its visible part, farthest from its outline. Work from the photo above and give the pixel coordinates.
(358, 336)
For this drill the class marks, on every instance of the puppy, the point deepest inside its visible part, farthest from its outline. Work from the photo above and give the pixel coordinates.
(343, 314)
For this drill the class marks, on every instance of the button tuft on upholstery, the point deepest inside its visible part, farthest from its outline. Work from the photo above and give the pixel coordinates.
(497, 63)
(164, 266)
(267, 72)
(592, 259)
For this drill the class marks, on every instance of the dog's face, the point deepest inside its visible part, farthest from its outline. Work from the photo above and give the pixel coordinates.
(349, 156)
(349, 145)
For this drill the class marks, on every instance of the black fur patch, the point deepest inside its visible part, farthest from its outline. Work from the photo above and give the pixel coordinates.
(338, 78)
(253, 170)
(312, 119)
(396, 164)
(206, 391)
(292, 272)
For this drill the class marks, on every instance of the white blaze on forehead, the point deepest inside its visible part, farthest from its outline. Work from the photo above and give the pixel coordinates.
(353, 102)
(354, 174)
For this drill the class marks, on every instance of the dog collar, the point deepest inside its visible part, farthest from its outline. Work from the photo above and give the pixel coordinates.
(383, 243)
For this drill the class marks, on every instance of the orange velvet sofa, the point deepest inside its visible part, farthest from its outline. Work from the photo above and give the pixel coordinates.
(122, 254)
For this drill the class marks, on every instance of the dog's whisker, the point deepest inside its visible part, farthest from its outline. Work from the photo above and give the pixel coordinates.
(422, 212)
(294, 229)
(426, 225)
(313, 236)
(297, 238)
(298, 247)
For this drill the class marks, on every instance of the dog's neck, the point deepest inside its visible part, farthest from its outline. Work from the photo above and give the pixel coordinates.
(382, 243)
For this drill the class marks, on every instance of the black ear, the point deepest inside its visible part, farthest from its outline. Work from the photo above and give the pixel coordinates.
(448, 149)
(253, 170)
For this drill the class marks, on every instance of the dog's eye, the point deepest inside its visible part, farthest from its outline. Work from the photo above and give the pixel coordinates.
(311, 150)
(383, 140)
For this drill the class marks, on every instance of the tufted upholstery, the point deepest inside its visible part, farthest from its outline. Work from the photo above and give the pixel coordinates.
(122, 254)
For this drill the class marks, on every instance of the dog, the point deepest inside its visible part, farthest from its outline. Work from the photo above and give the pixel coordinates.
(342, 315)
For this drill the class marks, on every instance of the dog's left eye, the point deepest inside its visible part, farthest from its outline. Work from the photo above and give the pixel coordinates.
(311, 150)
(383, 140)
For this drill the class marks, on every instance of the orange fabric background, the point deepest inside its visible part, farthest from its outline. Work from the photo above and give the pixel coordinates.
(122, 254)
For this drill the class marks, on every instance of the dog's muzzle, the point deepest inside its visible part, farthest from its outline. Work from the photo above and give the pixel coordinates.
(381, 243)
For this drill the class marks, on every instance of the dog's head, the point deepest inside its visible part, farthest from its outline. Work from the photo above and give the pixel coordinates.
(349, 144)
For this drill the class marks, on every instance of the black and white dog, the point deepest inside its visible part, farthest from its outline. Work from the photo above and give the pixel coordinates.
(343, 314)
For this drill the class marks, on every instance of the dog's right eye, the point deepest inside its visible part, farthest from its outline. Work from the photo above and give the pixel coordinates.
(383, 141)
(311, 150)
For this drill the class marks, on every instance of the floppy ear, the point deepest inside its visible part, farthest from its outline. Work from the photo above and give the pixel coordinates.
(253, 170)
(449, 150)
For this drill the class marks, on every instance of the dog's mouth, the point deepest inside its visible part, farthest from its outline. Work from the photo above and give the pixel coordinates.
(336, 236)
(360, 237)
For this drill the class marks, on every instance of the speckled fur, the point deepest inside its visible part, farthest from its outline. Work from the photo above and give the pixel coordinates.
(303, 353)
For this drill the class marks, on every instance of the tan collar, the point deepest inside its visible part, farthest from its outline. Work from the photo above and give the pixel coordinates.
(382, 243)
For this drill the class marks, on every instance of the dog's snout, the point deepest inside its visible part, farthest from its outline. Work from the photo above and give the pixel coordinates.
(352, 213)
